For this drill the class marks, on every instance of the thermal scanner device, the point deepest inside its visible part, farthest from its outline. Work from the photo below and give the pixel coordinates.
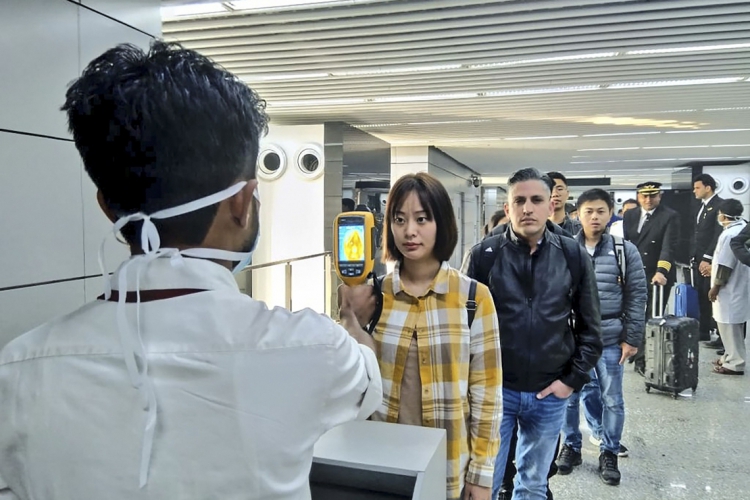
(354, 246)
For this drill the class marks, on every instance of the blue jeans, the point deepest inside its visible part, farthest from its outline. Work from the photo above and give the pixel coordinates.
(603, 404)
(539, 423)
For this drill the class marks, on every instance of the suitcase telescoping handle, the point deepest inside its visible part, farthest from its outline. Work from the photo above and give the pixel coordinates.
(658, 291)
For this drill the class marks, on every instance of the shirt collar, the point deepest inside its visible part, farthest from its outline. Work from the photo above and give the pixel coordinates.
(516, 240)
(649, 212)
(706, 202)
(439, 283)
(183, 272)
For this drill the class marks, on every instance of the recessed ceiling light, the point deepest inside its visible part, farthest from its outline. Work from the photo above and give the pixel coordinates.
(428, 97)
(314, 102)
(390, 71)
(676, 83)
(694, 48)
(676, 147)
(516, 62)
(620, 134)
(708, 131)
(284, 76)
(609, 149)
(551, 90)
(535, 138)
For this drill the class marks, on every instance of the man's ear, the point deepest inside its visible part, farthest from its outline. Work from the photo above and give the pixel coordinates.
(241, 204)
(103, 205)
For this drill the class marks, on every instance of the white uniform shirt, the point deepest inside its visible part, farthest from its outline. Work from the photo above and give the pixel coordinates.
(733, 303)
(243, 395)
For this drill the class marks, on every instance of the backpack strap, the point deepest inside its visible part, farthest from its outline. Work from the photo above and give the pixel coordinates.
(622, 262)
(471, 303)
(377, 283)
(570, 248)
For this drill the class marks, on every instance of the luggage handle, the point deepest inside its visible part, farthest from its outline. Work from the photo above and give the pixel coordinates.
(654, 309)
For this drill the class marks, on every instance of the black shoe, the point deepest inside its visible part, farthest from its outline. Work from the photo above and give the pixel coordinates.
(608, 471)
(568, 459)
(714, 344)
(549, 494)
(721, 352)
(505, 494)
(624, 452)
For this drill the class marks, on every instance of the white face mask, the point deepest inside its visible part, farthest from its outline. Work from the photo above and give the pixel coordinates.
(134, 352)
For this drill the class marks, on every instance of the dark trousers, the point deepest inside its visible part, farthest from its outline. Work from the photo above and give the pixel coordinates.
(702, 285)
(640, 359)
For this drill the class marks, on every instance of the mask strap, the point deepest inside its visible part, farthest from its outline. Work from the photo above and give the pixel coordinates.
(134, 351)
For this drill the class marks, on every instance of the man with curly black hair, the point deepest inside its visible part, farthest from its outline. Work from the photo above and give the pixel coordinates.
(173, 384)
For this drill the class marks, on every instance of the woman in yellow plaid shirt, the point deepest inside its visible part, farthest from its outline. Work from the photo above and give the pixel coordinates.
(437, 370)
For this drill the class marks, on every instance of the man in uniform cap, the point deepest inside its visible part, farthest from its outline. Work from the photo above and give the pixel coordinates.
(654, 229)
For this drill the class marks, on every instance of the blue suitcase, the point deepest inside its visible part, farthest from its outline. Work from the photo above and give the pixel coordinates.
(686, 302)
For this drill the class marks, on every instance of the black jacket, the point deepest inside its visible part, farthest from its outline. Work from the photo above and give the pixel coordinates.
(658, 240)
(739, 245)
(707, 231)
(534, 296)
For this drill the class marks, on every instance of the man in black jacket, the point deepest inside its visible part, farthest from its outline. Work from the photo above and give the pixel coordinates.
(654, 228)
(544, 358)
(706, 234)
(740, 245)
(560, 195)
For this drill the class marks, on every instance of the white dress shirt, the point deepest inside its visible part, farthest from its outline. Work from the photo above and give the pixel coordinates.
(704, 203)
(243, 395)
(644, 215)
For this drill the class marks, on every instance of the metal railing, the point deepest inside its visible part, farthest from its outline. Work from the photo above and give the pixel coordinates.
(288, 275)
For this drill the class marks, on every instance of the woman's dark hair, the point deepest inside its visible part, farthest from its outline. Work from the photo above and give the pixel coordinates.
(161, 128)
(437, 205)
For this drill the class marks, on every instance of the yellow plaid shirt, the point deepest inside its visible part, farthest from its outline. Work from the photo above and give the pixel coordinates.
(460, 369)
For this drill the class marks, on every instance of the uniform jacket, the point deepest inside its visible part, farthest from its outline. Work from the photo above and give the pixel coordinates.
(658, 240)
(707, 230)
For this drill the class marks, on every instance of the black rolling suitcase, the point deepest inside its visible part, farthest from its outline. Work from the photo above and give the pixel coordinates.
(671, 351)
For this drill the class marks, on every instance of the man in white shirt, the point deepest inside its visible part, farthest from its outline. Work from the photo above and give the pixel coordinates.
(174, 385)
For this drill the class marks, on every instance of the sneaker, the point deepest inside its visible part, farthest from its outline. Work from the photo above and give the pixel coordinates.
(714, 344)
(624, 452)
(568, 459)
(608, 471)
(595, 440)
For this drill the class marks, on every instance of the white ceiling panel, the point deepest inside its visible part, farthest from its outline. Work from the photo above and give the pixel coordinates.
(581, 86)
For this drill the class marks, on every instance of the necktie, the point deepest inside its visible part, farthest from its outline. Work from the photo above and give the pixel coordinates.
(645, 220)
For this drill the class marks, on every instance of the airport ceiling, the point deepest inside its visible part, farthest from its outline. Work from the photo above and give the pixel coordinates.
(630, 89)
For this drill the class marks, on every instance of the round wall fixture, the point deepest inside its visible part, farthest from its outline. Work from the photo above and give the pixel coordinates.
(271, 162)
(719, 186)
(739, 186)
(310, 162)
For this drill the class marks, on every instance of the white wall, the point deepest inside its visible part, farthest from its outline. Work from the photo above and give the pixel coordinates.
(292, 223)
(725, 176)
(52, 225)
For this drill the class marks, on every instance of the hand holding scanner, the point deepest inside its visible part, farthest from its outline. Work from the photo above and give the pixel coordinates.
(354, 246)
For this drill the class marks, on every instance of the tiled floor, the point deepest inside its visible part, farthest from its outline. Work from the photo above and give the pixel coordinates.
(696, 447)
